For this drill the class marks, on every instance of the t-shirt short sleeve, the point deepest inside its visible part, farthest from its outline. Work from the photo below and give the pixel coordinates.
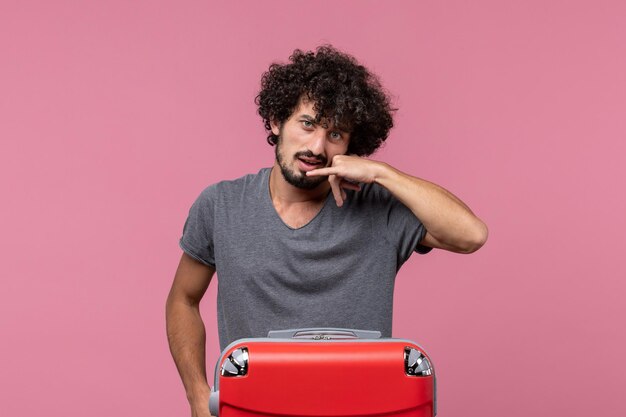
(403, 229)
(197, 239)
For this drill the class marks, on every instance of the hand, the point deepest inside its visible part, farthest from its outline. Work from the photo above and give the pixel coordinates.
(201, 411)
(200, 405)
(345, 171)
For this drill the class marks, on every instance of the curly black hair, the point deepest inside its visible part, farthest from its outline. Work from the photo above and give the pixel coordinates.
(341, 89)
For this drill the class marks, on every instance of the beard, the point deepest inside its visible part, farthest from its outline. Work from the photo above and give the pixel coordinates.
(298, 178)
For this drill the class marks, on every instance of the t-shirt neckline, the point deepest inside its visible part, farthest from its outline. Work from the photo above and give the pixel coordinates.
(268, 200)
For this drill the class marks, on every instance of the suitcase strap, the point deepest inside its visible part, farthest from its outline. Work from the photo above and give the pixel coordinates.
(322, 333)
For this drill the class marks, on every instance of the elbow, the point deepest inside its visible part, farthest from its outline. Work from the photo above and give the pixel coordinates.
(476, 238)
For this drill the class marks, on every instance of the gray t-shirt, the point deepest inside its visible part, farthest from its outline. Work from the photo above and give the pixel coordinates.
(336, 271)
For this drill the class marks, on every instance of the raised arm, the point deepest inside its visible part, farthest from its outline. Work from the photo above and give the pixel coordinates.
(450, 224)
(186, 333)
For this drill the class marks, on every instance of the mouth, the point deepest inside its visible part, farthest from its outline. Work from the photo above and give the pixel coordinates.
(309, 164)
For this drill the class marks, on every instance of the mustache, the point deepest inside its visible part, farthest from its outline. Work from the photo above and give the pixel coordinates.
(309, 154)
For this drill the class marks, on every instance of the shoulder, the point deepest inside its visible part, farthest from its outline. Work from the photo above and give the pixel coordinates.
(226, 190)
(248, 185)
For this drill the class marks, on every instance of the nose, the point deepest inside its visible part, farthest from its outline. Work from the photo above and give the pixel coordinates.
(318, 141)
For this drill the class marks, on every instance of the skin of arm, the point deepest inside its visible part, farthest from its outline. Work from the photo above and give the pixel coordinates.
(450, 224)
(186, 333)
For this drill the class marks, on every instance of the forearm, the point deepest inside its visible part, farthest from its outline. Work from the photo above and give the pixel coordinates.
(451, 225)
(187, 337)
(445, 217)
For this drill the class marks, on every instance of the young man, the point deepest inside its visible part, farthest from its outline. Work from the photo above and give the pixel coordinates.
(317, 240)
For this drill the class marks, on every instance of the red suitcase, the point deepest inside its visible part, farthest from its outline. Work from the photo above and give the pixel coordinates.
(323, 372)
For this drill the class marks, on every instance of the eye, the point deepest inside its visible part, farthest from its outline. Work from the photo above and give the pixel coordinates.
(307, 124)
(335, 136)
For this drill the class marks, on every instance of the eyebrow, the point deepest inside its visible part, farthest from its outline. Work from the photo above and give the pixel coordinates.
(307, 117)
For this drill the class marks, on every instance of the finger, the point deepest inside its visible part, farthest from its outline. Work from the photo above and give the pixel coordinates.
(336, 189)
(350, 185)
(344, 196)
(322, 171)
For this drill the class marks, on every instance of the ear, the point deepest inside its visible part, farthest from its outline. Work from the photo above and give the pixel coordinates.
(275, 127)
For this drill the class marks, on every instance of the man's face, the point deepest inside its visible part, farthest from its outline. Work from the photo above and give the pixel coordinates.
(304, 145)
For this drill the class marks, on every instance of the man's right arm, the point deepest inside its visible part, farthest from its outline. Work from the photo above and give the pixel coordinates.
(185, 330)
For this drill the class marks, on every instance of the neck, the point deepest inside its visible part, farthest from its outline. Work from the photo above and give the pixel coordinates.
(283, 192)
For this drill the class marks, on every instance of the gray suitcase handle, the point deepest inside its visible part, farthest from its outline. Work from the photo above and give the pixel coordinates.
(324, 333)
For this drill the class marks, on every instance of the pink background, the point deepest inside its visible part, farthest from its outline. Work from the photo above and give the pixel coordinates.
(114, 115)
